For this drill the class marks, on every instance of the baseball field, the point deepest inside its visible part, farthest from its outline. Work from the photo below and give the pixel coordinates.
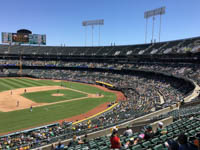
(27, 103)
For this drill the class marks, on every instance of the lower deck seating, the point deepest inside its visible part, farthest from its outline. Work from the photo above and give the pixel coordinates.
(191, 127)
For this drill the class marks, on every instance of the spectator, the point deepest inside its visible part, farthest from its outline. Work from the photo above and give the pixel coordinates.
(73, 142)
(80, 141)
(115, 140)
(160, 130)
(148, 134)
(172, 145)
(53, 146)
(184, 144)
(194, 140)
(85, 140)
(128, 131)
(130, 143)
(60, 146)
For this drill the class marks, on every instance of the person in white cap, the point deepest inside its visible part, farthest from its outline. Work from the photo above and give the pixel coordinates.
(160, 129)
(160, 124)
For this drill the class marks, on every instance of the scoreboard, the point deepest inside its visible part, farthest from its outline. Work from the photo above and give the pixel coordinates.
(37, 39)
(6, 37)
(23, 38)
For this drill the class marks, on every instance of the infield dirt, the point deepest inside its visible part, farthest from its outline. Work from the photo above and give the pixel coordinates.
(12, 100)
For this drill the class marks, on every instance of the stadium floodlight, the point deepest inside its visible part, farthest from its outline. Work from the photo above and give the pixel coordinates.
(92, 23)
(153, 13)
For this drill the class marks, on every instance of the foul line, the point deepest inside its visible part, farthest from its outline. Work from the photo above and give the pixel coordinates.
(96, 114)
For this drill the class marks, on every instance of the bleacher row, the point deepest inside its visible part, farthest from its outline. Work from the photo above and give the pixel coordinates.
(181, 113)
(171, 47)
(191, 127)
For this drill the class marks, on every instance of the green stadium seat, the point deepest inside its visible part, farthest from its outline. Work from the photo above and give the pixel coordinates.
(170, 129)
(177, 132)
(93, 145)
(146, 144)
(163, 138)
(175, 126)
(104, 148)
(155, 140)
(137, 147)
(194, 125)
(198, 129)
(189, 127)
(85, 148)
(192, 133)
(100, 143)
(175, 139)
(170, 134)
(77, 146)
(158, 147)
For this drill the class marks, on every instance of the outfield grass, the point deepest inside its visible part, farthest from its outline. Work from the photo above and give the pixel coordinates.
(46, 96)
(16, 120)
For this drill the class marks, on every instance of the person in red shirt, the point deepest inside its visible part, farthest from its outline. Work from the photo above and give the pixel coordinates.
(115, 140)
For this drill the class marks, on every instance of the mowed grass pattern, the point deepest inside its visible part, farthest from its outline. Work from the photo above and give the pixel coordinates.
(17, 120)
(46, 96)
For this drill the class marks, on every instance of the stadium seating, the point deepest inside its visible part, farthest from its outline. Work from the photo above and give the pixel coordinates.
(189, 126)
(148, 86)
(178, 46)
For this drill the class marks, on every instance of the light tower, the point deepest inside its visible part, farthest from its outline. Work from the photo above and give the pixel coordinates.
(92, 23)
(153, 13)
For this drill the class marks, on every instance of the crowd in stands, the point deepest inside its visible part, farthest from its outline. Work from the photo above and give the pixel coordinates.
(144, 95)
(162, 138)
(183, 134)
(188, 70)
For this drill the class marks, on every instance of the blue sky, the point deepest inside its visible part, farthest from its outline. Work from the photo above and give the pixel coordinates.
(124, 22)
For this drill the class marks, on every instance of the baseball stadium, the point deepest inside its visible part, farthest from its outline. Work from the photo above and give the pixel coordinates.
(21, 96)
(142, 96)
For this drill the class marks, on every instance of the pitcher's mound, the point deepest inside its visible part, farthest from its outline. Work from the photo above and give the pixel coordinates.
(95, 96)
(56, 80)
(57, 94)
